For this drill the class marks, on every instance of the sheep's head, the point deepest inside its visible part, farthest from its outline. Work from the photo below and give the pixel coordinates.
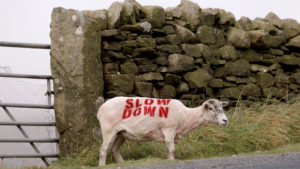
(213, 112)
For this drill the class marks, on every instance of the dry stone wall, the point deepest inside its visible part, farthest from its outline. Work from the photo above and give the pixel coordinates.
(183, 52)
(193, 54)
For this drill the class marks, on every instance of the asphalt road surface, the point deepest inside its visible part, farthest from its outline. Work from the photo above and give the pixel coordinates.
(274, 161)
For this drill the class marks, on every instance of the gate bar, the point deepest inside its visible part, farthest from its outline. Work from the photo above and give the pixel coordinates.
(25, 76)
(25, 45)
(29, 155)
(30, 140)
(35, 148)
(20, 105)
(14, 123)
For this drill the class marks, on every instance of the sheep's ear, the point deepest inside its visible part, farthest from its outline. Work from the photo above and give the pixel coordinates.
(224, 103)
(206, 106)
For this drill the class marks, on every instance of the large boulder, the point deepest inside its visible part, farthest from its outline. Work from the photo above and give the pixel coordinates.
(155, 15)
(196, 50)
(119, 82)
(190, 12)
(274, 19)
(227, 52)
(290, 27)
(206, 34)
(238, 38)
(294, 42)
(76, 69)
(238, 68)
(247, 24)
(167, 92)
(226, 18)
(264, 80)
(180, 63)
(198, 78)
(143, 89)
(185, 35)
(251, 90)
(231, 93)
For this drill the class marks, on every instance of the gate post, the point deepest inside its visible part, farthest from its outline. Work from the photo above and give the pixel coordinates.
(77, 75)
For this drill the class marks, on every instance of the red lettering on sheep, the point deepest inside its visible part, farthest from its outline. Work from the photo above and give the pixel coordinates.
(149, 107)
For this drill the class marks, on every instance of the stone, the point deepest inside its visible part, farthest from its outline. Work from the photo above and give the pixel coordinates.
(238, 68)
(227, 52)
(173, 39)
(251, 55)
(76, 69)
(289, 60)
(169, 29)
(113, 54)
(185, 35)
(161, 60)
(143, 61)
(190, 12)
(143, 89)
(167, 92)
(198, 78)
(109, 33)
(290, 27)
(274, 19)
(173, 12)
(262, 39)
(114, 15)
(264, 80)
(128, 43)
(282, 78)
(247, 24)
(111, 94)
(296, 78)
(226, 18)
(216, 83)
(231, 92)
(182, 88)
(111, 45)
(169, 48)
(172, 79)
(151, 76)
(161, 40)
(251, 90)
(128, 68)
(110, 68)
(162, 69)
(259, 68)
(119, 82)
(294, 42)
(208, 16)
(99, 15)
(143, 52)
(148, 68)
(158, 33)
(206, 34)
(146, 42)
(155, 15)
(238, 38)
(276, 52)
(279, 93)
(196, 50)
(142, 27)
(180, 63)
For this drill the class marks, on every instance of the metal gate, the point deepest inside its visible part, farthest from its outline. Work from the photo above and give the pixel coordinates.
(20, 125)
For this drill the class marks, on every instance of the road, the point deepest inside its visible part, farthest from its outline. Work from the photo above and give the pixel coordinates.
(274, 161)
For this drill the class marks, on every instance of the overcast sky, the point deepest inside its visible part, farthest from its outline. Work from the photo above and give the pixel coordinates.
(29, 20)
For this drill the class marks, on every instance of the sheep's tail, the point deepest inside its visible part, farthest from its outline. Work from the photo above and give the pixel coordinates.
(97, 130)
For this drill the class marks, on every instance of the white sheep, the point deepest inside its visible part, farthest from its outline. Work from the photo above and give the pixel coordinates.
(149, 119)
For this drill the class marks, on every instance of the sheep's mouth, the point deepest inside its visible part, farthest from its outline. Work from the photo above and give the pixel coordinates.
(224, 124)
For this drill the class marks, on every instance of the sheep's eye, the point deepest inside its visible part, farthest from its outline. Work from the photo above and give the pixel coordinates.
(210, 108)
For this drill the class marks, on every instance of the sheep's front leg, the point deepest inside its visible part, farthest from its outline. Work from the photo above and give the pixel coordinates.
(169, 139)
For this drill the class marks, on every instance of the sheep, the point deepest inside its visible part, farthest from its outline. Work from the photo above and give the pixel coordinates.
(149, 119)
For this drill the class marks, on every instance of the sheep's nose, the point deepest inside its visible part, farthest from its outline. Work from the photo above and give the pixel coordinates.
(225, 120)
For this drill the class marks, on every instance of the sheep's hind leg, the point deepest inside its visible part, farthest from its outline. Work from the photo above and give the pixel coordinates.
(169, 139)
(106, 145)
(116, 148)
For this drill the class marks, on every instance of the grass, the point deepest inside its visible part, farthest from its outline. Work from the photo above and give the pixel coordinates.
(257, 129)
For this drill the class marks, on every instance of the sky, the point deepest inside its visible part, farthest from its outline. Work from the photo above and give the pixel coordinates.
(29, 20)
